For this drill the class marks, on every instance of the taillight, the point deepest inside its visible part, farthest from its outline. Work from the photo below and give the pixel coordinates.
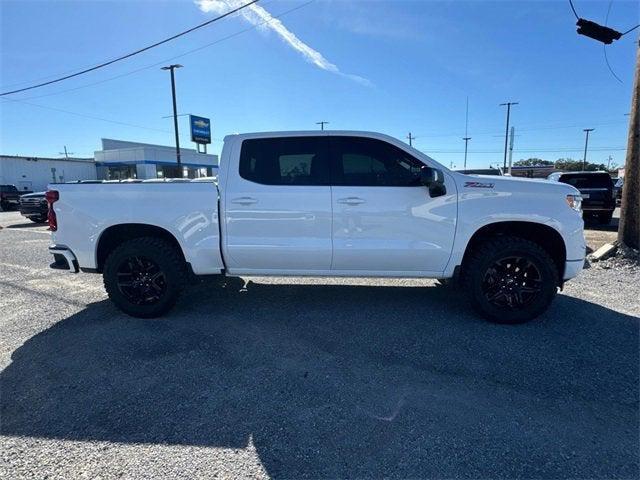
(52, 197)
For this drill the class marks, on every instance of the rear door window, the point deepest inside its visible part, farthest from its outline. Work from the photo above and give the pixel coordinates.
(285, 161)
(587, 181)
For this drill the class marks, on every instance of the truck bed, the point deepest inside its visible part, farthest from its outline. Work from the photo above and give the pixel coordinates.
(186, 209)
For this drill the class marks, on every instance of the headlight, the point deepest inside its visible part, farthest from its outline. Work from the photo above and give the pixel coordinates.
(575, 202)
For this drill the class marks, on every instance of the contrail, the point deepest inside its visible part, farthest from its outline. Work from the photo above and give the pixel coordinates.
(256, 15)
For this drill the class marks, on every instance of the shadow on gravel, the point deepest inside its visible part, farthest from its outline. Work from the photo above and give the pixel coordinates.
(27, 225)
(342, 381)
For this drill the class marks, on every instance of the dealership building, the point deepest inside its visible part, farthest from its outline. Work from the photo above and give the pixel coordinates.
(121, 159)
(118, 160)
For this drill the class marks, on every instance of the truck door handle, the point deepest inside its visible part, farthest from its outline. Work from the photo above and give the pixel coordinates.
(351, 200)
(244, 200)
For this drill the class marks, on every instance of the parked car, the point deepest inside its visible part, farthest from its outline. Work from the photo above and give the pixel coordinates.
(34, 206)
(617, 190)
(596, 188)
(481, 171)
(324, 204)
(9, 197)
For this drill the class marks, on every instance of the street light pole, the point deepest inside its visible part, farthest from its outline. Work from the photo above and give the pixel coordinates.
(322, 124)
(171, 68)
(506, 132)
(586, 143)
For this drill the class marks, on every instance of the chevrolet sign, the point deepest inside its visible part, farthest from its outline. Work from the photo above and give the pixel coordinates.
(200, 129)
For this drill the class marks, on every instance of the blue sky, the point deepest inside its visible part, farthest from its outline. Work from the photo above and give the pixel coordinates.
(389, 66)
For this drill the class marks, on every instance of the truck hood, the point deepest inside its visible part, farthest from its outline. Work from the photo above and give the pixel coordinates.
(468, 183)
(33, 195)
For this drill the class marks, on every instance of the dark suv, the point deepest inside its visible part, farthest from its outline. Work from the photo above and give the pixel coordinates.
(598, 197)
(9, 197)
(34, 206)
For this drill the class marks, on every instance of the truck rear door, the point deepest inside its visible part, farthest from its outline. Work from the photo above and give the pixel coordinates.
(278, 207)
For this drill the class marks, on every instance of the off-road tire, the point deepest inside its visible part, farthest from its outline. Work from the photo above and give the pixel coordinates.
(168, 260)
(484, 256)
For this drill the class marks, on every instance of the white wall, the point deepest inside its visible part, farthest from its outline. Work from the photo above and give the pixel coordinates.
(35, 173)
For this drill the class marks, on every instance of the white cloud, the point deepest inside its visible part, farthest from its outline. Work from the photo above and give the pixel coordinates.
(257, 15)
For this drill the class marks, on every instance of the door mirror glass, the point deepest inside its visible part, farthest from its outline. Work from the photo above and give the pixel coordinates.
(433, 179)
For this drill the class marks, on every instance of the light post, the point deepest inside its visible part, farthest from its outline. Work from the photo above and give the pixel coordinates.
(171, 68)
(586, 143)
(506, 132)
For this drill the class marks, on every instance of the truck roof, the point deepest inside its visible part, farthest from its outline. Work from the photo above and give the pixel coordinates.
(313, 133)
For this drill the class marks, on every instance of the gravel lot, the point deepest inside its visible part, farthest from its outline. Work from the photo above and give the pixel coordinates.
(311, 378)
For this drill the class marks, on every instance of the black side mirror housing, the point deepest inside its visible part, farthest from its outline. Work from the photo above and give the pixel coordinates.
(433, 179)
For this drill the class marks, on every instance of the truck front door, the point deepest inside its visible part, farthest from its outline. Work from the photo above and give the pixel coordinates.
(384, 219)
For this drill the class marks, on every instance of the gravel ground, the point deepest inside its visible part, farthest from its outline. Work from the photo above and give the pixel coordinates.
(295, 378)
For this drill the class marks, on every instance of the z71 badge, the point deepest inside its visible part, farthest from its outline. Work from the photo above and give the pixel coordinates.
(478, 185)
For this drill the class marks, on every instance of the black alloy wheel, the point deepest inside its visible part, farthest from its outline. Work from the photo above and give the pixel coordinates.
(141, 280)
(510, 279)
(512, 282)
(144, 276)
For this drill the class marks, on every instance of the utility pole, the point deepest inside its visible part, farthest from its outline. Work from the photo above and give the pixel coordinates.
(171, 68)
(466, 137)
(506, 132)
(586, 144)
(65, 153)
(629, 229)
(513, 135)
(322, 124)
(609, 163)
(466, 142)
(411, 139)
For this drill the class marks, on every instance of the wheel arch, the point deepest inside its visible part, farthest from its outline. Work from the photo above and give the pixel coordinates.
(544, 235)
(116, 235)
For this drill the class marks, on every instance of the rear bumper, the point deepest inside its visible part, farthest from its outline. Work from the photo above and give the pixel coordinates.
(588, 209)
(64, 259)
(33, 212)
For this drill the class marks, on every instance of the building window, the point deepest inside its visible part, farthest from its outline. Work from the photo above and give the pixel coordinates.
(121, 172)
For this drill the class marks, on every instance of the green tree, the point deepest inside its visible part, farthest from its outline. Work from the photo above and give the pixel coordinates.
(571, 165)
(533, 162)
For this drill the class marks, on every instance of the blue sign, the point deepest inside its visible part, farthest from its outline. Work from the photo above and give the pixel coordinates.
(200, 129)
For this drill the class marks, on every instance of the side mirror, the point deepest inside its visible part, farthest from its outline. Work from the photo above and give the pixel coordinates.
(433, 179)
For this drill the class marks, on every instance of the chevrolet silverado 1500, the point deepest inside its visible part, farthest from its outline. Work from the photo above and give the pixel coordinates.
(332, 203)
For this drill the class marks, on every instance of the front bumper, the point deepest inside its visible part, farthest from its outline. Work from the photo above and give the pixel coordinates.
(572, 268)
(64, 259)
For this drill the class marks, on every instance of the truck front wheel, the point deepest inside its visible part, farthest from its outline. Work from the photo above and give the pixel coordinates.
(510, 279)
(144, 277)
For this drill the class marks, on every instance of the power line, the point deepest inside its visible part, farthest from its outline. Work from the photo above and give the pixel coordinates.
(574, 10)
(533, 150)
(604, 45)
(175, 57)
(129, 55)
(93, 117)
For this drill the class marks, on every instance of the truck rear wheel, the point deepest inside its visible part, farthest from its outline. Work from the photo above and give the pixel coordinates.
(510, 279)
(144, 277)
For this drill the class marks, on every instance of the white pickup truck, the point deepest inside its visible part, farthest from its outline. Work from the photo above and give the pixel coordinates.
(332, 203)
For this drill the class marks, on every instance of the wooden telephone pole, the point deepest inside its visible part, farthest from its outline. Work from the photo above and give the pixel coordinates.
(629, 230)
